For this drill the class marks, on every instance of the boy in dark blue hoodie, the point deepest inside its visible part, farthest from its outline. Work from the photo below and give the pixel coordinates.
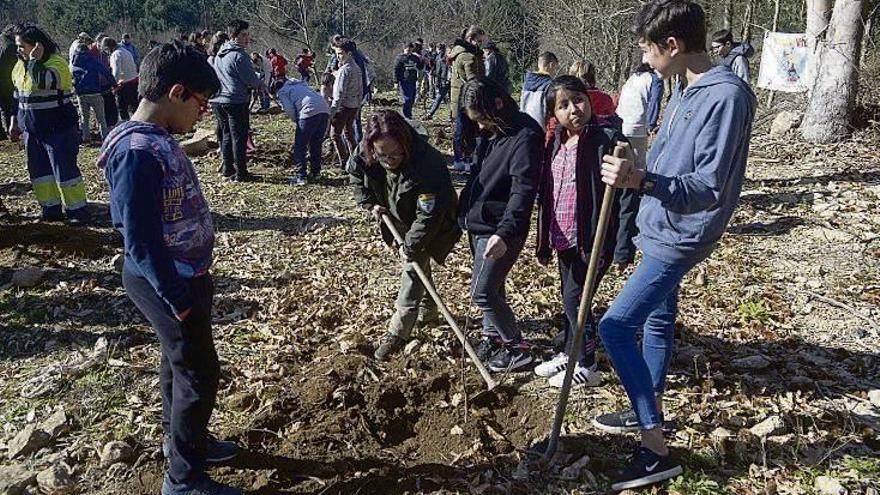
(533, 100)
(690, 190)
(157, 203)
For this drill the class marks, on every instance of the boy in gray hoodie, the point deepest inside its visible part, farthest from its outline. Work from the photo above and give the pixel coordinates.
(237, 78)
(690, 190)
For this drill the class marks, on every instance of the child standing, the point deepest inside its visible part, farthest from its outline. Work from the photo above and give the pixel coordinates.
(311, 113)
(570, 193)
(634, 107)
(534, 92)
(157, 203)
(690, 190)
(495, 208)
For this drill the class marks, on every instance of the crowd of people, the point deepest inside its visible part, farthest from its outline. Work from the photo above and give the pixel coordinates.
(553, 153)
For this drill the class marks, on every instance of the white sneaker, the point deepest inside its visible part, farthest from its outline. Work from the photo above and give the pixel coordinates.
(583, 377)
(550, 368)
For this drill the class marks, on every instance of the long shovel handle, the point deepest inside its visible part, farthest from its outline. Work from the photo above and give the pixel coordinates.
(584, 309)
(490, 382)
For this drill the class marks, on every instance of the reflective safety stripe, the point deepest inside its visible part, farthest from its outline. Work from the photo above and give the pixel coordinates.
(73, 192)
(43, 104)
(46, 191)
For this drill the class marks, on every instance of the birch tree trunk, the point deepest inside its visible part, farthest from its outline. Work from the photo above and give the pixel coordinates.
(832, 101)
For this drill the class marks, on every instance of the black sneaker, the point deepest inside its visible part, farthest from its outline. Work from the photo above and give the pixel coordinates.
(511, 358)
(389, 344)
(216, 451)
(618, 422)
(647, 468)
(487, 347)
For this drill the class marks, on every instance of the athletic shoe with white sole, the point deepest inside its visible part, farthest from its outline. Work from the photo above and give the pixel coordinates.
(582, 377)
(647, 468)
(550, 368)
(618, 422)
(510, 358)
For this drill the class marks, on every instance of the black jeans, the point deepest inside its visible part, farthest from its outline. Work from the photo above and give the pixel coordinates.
(573, 273)
(189, 371)
(233, 122)
(111, 111)
(127, 99)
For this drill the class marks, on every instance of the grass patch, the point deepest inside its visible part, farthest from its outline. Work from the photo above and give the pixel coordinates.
(693, 483)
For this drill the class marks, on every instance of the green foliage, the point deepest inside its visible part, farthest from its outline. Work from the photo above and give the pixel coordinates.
(754, 311)
(696, 484)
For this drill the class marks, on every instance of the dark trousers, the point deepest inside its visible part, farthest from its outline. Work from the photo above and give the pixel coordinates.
(573, 273)
(127, 99)
(309, 137)
(464, 137)
(487, 288)
(54, 173)
(6, 103)
(111, 110)
(408, 93)
(233, 122)
(342, 132)
(441, 97)
(189, 370)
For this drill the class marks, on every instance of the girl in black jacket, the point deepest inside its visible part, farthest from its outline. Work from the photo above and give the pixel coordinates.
(495, 208)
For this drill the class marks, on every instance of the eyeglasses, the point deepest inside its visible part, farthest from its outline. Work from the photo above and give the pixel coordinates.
(201, 100)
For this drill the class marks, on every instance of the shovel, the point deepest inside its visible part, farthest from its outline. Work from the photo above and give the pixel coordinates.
(490, 383)
(584, 308)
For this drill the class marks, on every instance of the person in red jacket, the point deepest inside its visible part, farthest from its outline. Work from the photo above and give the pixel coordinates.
(279, 64)
(601, 102)
(304, 62)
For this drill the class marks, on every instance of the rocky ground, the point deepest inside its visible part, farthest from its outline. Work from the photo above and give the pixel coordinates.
(775, 387)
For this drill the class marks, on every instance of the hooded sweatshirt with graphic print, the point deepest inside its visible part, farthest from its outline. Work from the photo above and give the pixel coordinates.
(157, 204)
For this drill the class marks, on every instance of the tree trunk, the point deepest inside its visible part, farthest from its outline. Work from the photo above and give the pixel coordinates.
(818, 14)
(728, 14)
(747, 21)
(832, 102)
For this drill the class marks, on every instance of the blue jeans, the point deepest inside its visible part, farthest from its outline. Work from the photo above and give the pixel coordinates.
(647, 302)
(441, 97)
(487, 288)
(309, 137)
(408, 93)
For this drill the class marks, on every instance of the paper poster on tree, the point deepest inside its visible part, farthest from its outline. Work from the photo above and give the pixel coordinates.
(783, 62)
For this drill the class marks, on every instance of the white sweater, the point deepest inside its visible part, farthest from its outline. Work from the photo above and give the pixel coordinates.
(122, 64)
(633, 105)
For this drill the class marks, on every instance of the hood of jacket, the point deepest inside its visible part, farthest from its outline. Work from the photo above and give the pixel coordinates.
(230, 47)
(124, 129)
(536, 81)
(744, 49)
(460, 47)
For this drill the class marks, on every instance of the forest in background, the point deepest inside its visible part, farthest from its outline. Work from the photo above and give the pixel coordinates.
(594, 29)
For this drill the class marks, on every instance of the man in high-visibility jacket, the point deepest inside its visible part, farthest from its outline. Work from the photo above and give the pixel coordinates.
(47, 121)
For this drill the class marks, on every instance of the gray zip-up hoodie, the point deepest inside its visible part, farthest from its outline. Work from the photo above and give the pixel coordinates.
(236, 73)
(698, 163)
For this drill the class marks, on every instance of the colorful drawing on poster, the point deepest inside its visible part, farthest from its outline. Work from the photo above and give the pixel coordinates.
(783, 62)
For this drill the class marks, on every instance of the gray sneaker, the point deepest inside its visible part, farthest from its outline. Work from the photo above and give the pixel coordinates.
(389, 344)
(202, 486)
(216, 451)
